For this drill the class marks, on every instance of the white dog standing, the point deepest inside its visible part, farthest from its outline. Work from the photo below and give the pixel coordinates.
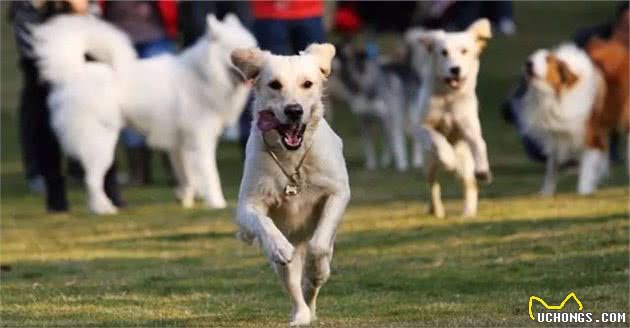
(447, 115)
(180, 103)
(295, 184)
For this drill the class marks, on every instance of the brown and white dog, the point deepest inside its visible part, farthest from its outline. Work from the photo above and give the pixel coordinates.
(564, 88)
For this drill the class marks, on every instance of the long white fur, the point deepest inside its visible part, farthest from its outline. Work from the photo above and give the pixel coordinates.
(558, 122)
(180, 103)
(296, 232)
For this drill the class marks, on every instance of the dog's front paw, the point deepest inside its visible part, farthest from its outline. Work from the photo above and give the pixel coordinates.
(280, 250)
(484, 176)
(301, 317)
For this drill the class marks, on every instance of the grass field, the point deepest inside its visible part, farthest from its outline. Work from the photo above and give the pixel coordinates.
(158, 265)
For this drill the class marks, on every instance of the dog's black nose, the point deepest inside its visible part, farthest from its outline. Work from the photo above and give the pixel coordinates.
(455, 70)
(529, 67)
(293, 112)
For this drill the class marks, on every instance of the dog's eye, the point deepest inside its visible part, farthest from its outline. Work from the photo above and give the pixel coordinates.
(464, 51)
(307, 84)
(275, 84)
(444, 52)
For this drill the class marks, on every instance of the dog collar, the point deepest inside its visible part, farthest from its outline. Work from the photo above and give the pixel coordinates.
(293, 187)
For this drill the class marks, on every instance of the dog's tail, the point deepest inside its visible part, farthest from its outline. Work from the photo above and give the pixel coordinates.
(65, 44)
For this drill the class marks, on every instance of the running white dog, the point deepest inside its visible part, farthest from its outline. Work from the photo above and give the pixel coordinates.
(447, 114)
(563, 89)
(295, 184)
(180, 103)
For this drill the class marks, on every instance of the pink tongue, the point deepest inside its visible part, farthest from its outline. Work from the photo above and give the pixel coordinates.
(267, 121)
(292, 139)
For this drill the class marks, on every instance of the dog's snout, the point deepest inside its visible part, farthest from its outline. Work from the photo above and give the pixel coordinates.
(455, 70)
(293, 112)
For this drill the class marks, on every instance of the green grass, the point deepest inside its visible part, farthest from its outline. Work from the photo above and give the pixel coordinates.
(158, 265)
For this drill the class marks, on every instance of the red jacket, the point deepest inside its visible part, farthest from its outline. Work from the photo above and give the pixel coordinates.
(168, 13)
(287, 9)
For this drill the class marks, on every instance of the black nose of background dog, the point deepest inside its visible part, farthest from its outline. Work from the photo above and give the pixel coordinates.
(529, 68)
(455, 70)
(293, 112)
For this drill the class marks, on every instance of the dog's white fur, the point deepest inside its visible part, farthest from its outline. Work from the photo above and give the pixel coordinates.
(558, 120)
(296, 232)
(180, 103)
(447, 118)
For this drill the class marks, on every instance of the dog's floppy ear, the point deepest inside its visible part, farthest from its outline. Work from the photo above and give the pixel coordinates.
(566, 74)
(481, 31)
(248, 61)
(323, 53)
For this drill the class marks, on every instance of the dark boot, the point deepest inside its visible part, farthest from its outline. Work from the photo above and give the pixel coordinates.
(147, 172)
(136, 161)
(56, 200)
(112, 188)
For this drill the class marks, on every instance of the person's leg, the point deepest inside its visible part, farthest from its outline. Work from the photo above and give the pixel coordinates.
(501, 15)
(48, 151)
(306, 31)
(112, 189)
(27, 129)
(273, 35)
(463, 14)
(192, 19)
(155, 48)
(241, 9)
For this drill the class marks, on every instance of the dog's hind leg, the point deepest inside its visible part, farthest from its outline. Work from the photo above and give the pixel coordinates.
(291, 276)
(436, 207)
(551, 172)
(418, 159)
(96, 159)
(213, 194)
(316, 273)
(466, 173)
(185, 191)
(368, 144)
(398, 147)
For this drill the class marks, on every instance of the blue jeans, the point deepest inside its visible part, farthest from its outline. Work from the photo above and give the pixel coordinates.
(129, 137)
(282, 37)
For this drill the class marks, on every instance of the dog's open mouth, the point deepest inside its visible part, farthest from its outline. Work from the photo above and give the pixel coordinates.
(453, 82)
(292, 133)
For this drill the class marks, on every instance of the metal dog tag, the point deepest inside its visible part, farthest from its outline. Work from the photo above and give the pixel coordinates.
(291, 189)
